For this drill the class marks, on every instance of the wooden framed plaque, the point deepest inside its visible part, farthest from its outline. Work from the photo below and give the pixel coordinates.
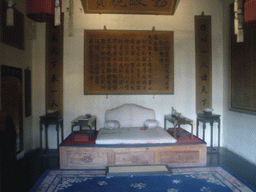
(203, 45)
(128, 62)
(54, 66)
(242, 69)
(152, 7)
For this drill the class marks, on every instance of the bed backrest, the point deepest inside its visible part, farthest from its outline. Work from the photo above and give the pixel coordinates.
(130, 115)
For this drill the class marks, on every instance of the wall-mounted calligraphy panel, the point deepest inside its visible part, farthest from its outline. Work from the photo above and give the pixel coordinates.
(128, 62)
(242, 69)
(203, 44)
(54, 66)
(152, 7)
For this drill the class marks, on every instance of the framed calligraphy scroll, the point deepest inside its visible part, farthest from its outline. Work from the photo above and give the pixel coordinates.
(54, 66)
(203, 41)
(128, 62)
(152, 7)
(242, 69)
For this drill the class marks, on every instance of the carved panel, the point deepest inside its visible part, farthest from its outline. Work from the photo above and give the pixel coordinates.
(135, 158)
(179, 156)
(81, 159)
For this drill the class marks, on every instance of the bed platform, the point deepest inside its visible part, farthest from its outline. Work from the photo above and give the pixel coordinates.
(88, 155)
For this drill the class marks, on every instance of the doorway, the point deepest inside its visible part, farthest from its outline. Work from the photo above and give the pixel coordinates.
(11, 100)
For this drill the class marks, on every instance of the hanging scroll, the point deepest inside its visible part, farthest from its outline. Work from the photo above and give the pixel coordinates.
(242, 69)
(54, 67)
(152, 7)
(128, 62)
(203, 62)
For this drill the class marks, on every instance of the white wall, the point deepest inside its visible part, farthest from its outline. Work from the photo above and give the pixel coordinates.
(239, 129)
(182, 23)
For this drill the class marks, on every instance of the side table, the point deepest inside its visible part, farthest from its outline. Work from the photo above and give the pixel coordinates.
(177, 122)
(48, 119)
(85, 121)
(205, 118)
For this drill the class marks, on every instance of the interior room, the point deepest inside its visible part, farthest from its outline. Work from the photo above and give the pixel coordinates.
(237, 128)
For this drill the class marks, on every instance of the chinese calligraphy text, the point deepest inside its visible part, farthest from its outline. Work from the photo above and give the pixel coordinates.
(128, 62)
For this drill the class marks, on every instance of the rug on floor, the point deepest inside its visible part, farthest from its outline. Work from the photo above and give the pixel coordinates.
(208, 179)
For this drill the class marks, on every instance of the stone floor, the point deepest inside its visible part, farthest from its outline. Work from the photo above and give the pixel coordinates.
(31, 167)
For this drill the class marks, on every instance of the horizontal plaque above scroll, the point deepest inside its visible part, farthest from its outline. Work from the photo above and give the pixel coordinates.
(128, 62)
(152, 7)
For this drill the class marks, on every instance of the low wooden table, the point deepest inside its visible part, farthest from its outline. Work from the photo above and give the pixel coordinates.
(177, 122)
(48, 119)
(89, 122)
(204, 118)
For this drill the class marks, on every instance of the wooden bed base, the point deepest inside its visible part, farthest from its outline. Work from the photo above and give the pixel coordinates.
(99, 157)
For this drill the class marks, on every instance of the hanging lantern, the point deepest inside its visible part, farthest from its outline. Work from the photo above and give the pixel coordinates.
(10, 14)
(239, 20)
(42, 10)
(250, 13)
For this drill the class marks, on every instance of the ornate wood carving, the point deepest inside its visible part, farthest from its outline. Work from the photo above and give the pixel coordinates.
(87, 159)
(71, 157)
(80, 159)
(179, 156)
(135, 158)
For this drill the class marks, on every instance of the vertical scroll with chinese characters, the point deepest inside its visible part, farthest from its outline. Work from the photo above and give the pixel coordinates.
(128, 62)
(203, 41)
(54, 67)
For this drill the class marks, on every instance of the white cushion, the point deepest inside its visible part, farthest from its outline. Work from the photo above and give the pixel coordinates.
(130, 115)
(112, 124)
(134, 135)
(150, 123)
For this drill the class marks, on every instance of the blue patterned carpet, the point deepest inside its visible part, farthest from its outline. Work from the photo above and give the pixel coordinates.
(208, 179)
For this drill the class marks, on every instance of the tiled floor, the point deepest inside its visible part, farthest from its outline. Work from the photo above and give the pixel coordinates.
(33, 165)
